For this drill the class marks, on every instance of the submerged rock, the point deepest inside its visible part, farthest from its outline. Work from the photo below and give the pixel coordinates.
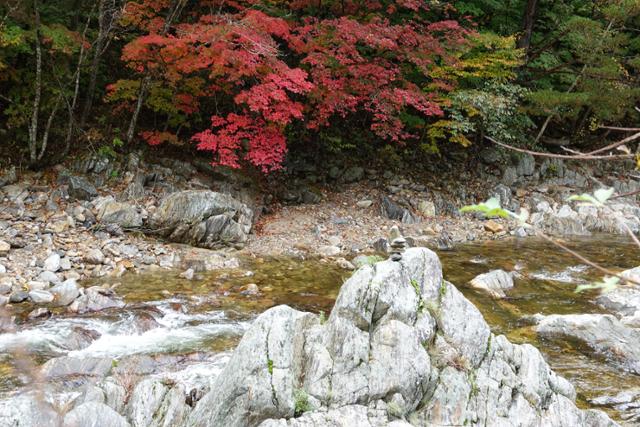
(624, 300)
(401, 347)
(627, 401)
(67, 366)
(202, 218)
(494, 283)
(602, 333)
(96, 298)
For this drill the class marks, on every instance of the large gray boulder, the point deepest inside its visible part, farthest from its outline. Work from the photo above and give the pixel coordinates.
(27, 410)
(126, 215)
(604, 334)
(401, 347)
(79, 187)
(202, 218)
(587, 219)
(495, 283)
(624, 300)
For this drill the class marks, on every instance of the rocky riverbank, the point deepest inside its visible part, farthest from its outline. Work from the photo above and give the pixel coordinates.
(101, 216)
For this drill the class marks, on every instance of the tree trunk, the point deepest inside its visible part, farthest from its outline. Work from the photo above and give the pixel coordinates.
(45, 135)
(176, 9)
(33, 127)
(527, 24)
(103, 33)
(76, 91)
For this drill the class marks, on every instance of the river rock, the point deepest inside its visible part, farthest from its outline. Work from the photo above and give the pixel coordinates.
(4, 248)
(493, 226)
(18, 296)
(65, 264)
(202, 218)
(400, 346)
(39, 313)
(604, 334)
(27, 410)
(52, 263)
(494, 283)
(94, 256)
(352, 174)
(94, 414)
(145, 400)
(364, 203)
(79, 188)
(8, 176)
(48, 277)
(392, 210)
(427, 208)
(65, 292)
(328, 251)
(66, 366)
(124, 215)
(40, 297)
(34, 285)
(5, 287)
(627, 402)
(624, 300)
(95, 298)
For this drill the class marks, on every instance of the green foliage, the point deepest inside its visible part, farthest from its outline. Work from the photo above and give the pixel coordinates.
(270, 366)
(494, 110)
(322, 317)
(301, 399)
(491, 209)
(416, 288)
(608, 284)
(599, 197)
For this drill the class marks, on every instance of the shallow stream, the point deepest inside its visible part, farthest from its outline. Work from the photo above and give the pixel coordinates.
(185, 329)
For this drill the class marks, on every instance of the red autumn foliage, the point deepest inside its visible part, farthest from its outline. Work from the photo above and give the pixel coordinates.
(265, 75)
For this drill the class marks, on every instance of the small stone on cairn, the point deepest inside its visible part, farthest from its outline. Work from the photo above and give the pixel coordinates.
(398, 245)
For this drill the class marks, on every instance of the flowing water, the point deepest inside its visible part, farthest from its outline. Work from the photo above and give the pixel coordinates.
(184, 330)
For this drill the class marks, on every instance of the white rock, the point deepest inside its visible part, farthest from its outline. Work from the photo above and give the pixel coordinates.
(52, 263)
(40, 297)
(328, 251)
(94, 256)
(65, 264)
(398, 334)
(49, 277)
(187, 274)
(494, 282)
(36, 285)
(65, 292)
(334, 240)
(364, 203)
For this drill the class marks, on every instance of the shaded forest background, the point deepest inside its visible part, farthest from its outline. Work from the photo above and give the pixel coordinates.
(248, 81)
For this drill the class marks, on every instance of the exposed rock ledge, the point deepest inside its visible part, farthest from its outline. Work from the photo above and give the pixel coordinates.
(401, 347)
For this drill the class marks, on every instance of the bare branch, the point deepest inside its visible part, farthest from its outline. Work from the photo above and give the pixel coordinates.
(563, 156)
(615, 144)
(585, 260)
(620, 129)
